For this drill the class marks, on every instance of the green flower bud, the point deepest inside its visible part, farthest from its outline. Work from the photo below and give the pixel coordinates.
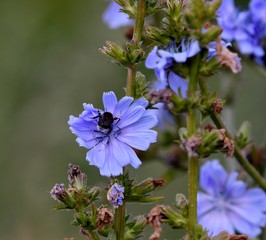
(135, 228)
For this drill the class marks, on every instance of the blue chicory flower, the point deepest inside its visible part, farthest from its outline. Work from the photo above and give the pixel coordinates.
(115, 195)
(114, 18)
(227, 204)
(110, 134)
(160, 60)
(247, 28)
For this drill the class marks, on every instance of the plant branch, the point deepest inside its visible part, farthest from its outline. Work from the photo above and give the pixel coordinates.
(193, 165)
(254, 174)
(140, 17)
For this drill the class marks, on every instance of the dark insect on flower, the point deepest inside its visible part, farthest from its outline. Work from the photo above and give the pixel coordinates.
(105, 120)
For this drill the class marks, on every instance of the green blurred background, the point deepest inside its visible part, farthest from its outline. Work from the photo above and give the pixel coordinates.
(49, 66)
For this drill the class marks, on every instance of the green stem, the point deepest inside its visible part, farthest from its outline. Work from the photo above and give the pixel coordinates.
(193, 165)
(131, 76)
(254, 174)
(120, 222)
(130, 91)
(140, 17)
(94, 235)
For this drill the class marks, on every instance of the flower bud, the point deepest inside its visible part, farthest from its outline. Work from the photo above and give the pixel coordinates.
(134, 229)
(115, 195)
(243, 135)
(59, 192)
(76, 179)
(105, 218)
(147, 186)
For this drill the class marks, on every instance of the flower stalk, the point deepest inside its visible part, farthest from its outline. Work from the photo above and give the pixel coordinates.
(120, 222)
(193, 165)
(140, 17)
(130, 91)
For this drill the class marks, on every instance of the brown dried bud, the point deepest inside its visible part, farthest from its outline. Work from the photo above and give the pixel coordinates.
(154, 218)
(192, 144)
(209, 127)
(105, 218)
(228, 144)
(227, 58)
(158, 182)
(163, 95)
(226, 236)
(129, 32)
(217, 105)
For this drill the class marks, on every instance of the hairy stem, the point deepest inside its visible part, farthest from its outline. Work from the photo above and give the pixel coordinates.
(193, 165)
(120, 222)
(130, 91)
(254, 174)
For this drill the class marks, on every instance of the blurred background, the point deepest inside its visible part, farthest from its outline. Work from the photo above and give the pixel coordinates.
(49, 66)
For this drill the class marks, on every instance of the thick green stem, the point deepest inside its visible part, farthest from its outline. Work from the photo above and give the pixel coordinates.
(254, 174)
(120, 222)
(193, 165)
(130, 91)
(140, 17)
(131, 75)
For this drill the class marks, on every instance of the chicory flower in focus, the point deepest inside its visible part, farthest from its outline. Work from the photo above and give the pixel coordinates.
(114, 18)
(115, 195)
(227, 204)
(110, 134)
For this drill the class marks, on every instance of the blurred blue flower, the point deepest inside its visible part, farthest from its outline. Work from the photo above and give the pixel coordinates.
(227, 204)
(115, 195)
(111, 134)
(247, 28)
(161, 60)
(114, 18)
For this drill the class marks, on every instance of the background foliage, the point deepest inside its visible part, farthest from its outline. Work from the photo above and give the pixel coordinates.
(49, 66)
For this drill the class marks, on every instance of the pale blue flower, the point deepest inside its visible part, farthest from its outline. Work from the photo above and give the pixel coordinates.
(161, 60)
(115, 195)
(114, 18)
(247, 28)
(110, 134)
(227, 204)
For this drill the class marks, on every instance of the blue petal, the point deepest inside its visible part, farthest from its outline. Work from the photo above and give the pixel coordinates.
(233, 187)
(208, 177)
(205, 203)
(120, 152)
(193, 49)
(152, 59)
(109, 101)
(134, 160)
(176, 82)
(249, 213)
(114, 166)
(244, 227)
(180, 57)
(114, 18)
(216, 221)
(122, 106)
(97, 155)
(132, 115)
(140, 102)
(139, 140)
(148, 120)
